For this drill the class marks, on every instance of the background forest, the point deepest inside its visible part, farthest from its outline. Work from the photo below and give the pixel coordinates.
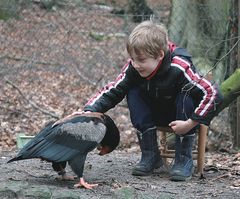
(54, 55)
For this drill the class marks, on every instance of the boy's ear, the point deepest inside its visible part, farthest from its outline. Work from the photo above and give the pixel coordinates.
(161, 55)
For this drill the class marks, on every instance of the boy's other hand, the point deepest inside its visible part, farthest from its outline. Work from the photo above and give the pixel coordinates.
(69, 117)
(181, 127)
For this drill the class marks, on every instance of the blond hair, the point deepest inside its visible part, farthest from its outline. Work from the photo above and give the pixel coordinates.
(148, 38)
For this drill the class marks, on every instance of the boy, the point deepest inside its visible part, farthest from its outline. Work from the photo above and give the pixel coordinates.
(162, 88)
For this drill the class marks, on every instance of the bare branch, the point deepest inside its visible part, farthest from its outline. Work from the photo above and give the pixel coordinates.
(31, 102)
(30, 60)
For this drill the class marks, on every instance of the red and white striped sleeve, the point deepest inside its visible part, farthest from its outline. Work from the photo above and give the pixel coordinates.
(209, 91)
(109, 95)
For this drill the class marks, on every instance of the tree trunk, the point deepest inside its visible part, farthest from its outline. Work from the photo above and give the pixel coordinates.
(230, 89)
(234, 108)
(231, 92)
(140, 10)
(204, 28)
(201, 27)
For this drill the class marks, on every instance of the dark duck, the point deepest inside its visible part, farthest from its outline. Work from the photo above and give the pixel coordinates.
(70, 141)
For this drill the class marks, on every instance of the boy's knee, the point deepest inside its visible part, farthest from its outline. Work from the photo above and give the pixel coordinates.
(184, 104)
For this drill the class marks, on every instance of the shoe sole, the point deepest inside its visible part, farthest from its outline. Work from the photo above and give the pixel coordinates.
(136, 172)
(141, 173)
(180, 178)
(176, 177)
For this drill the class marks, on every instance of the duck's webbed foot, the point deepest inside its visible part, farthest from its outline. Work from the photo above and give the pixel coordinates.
(84, 184)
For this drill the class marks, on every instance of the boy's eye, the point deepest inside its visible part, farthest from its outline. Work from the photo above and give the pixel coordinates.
(141, 60)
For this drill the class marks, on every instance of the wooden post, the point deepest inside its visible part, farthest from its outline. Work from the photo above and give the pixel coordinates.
(202, 137)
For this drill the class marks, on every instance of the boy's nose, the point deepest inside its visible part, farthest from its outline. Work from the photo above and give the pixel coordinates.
(135, 65)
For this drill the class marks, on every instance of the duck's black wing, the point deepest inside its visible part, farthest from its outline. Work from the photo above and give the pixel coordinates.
(65, 141)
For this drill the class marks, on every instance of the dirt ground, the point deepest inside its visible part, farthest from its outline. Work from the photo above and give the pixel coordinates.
(113, 174)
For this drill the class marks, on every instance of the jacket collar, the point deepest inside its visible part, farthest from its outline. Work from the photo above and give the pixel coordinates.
(155, 70)
(162, 67)
(166, 63)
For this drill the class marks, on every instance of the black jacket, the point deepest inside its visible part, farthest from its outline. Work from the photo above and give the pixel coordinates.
(176, 74)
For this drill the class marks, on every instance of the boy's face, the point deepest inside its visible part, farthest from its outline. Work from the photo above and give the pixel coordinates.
(145, 65)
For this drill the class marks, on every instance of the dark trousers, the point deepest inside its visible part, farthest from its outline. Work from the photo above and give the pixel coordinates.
(147, 112)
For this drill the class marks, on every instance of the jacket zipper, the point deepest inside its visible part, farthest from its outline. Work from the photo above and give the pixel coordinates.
(148, 86)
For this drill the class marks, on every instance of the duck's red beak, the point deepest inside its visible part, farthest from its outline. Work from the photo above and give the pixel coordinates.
(103, 150)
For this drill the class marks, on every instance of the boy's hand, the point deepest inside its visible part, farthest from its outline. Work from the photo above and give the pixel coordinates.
(181, 127)
(69, 117)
